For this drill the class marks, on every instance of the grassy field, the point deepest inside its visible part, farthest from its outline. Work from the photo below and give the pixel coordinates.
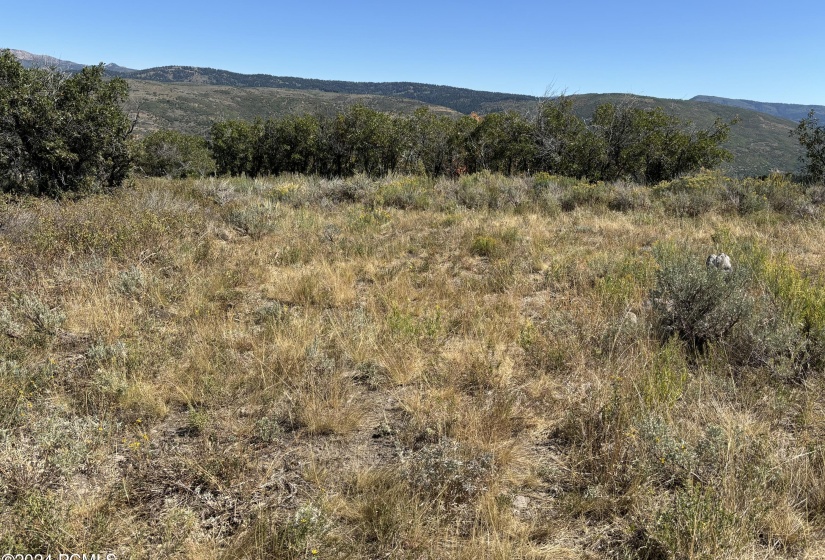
(487, 367)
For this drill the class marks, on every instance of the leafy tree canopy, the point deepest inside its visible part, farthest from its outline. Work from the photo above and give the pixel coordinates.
(811, 136)
(59, 133)
(173, 154)
(617, 142)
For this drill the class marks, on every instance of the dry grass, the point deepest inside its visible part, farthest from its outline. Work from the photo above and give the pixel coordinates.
(271, 369)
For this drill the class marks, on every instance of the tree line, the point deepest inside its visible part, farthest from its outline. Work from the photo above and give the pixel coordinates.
(64, 134)
(644, 145)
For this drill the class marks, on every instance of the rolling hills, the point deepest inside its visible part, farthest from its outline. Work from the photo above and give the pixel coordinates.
(192, 108)
(790, 111)
(760, 143)
(190, 99)
(459, 99)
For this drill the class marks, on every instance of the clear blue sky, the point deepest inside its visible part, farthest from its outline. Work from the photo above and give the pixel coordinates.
(767, 51)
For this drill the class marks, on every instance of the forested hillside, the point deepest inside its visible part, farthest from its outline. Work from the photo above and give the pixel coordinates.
(790, 111)
(459, 99)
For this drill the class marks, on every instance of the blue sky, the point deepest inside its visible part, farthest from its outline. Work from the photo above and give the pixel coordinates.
(766, 51)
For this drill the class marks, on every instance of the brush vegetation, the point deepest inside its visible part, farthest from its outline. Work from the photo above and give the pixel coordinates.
(412, 367)
(759, 143)
(189, 100)
(615, 142)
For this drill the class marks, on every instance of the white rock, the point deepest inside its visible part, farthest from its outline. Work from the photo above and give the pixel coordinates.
(720, 261)
(723, 262)
(521, 502)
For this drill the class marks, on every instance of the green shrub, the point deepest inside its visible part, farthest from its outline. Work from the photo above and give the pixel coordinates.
(696, 525)
(689, 205)
(131, 282)
(450, 472)
(627, 197)
(254, 220)
(774, 192)
(172, 154)
(270, 536)
(359, 188)
(696, 303)
(801, 312)
(485, 190)
(486, 246)
(785, 330)
(405, 192)
(770, 339)
(546, 201)
(599, 195)
(44, 319)
(101, 353)
(694, 195)
(274, 312)
(542, 181)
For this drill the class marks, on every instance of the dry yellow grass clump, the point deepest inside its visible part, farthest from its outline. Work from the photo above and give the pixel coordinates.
(400, 368)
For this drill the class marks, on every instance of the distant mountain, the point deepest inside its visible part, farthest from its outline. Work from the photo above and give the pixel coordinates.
(115, 69)
(789, 111)
(459, 99)
(30, 60)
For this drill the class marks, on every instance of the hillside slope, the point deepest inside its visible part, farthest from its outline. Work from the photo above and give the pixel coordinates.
(459, 99)
(192, 108)
(760, 143)
(790, 111)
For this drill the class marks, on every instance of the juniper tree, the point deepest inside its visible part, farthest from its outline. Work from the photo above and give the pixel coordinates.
(811, 136)
(61, 133)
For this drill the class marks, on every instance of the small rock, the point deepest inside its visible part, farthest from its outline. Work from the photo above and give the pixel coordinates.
(521, 502)
(720, 261)
(723, 262)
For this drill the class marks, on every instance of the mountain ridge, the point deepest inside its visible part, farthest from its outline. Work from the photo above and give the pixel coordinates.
(190, 99)
(462, 100)
(29, 60)
(789, 111)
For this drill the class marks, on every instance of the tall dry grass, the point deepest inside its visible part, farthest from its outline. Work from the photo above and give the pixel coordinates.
(483, 368)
